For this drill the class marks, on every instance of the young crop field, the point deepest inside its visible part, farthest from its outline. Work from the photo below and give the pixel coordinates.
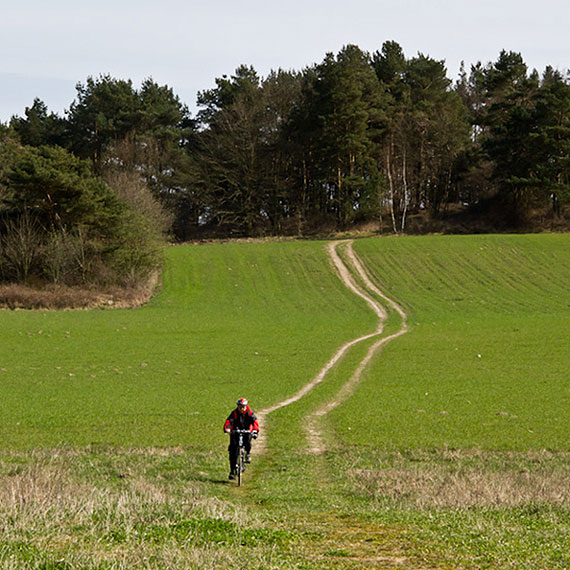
(486, 362)
(231, 318)
(442, 442)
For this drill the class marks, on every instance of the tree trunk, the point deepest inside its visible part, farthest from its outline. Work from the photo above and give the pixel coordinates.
(391, 186)
(405, 187)
(340, 197)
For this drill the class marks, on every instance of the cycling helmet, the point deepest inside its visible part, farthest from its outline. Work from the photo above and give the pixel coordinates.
(242, 402)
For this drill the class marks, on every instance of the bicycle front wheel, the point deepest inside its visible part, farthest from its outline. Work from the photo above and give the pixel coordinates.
(241, 465)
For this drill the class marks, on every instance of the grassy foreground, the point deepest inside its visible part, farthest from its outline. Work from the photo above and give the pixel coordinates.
(111, 420)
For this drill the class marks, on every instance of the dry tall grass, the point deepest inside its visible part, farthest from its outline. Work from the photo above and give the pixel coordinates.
(461, 479)
(59, 297)
(54, 513)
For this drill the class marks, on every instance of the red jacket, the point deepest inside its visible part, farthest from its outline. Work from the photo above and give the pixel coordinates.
(247, 420)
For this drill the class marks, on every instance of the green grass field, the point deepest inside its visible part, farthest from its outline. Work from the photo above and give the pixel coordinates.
(231, 319)
(451, 453)
(486, 363)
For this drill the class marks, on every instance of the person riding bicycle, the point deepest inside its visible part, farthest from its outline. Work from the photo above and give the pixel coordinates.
(240, 418)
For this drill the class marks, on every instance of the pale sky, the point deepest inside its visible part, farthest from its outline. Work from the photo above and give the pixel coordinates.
(47, 47)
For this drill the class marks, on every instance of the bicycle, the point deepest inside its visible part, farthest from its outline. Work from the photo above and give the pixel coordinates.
(240, 463)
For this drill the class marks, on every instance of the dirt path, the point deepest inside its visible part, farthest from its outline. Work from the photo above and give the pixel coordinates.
(313, 423)
(314, 420)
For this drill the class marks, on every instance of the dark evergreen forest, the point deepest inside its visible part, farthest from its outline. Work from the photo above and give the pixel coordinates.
(359, 140)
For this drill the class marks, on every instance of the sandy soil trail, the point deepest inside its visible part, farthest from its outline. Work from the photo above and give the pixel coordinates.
(346, 274)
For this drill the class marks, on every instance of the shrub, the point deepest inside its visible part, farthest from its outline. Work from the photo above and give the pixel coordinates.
(21, 247)
(62, 224)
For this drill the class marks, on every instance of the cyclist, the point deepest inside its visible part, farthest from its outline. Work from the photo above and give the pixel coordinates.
(240, 418)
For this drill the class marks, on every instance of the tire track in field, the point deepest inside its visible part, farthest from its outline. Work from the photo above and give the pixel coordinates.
(313, 421)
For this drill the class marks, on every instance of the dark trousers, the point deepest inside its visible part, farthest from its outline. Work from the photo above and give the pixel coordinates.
(233, 448)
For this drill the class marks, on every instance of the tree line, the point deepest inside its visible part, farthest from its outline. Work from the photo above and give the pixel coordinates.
(357, 138)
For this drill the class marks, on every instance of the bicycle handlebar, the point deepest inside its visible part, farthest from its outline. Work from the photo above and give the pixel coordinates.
(242, 431)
